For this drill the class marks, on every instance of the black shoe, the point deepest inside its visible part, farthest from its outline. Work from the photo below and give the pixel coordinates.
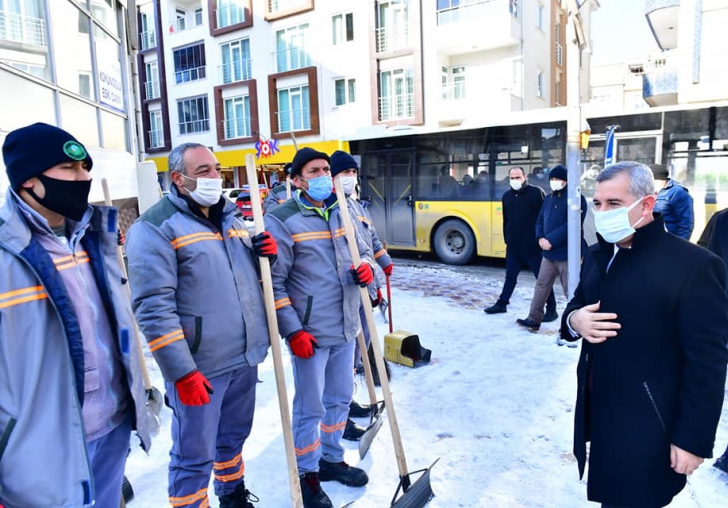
(357, 410)
(312, 493)
(551, 315)
(497, 308)
(529, 323)
(722, 463)
(342, 473)
(241, 498)
(353, 432)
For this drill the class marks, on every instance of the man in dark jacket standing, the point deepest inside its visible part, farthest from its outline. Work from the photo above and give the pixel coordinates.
(521, 206)
(673, 202)
(551, 232)
(653, 361)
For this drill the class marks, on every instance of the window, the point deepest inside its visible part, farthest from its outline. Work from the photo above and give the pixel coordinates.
(151, 86)
(539, 17)
(181, 18)
(83, 23)
(452, 11)
(539, 84)
(146, 33)
(229, 12)
(23, 21)
(294, 113)
(343, 28)
(444, 79)
(189, 63)
(345, 90)
(515, 6)
(557, 91)
(156, 130)
(291, 49)
(192, 115)
(453, 83)
(84, 85)
(237, 117)
(236, 63)
(284, 5)
(397, 94)
(198, 16)
(392, 25)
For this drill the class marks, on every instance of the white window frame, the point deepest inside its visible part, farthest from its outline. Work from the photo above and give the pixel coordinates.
(349, 91)
(539, 15)
(539, 85)
(180, 16)
(231, 124)
(156, 129)
(305, 122)
(245, 64)
(223, 13)
(340, 34)
(289, 40)
(198, 124)
(151, 85)
(284, 5)
(396, 105)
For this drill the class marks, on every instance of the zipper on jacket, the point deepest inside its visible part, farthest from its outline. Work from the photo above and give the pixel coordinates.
(654, 405)
(6, 436)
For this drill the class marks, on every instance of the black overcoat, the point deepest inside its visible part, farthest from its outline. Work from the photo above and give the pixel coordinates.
(520, 211)
(661, 379)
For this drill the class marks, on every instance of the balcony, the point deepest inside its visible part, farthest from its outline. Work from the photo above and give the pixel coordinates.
(396, 107)
(151, 89)
(476, 26)
(229, 15)
(660, 86)
(156, 139)
(662, 16)
(236, 128)
(233, 72)
(23, 29)
(187, 75)
(392, 38)
(291, 59)
(148, 39)
(559, 54)
(185, 23)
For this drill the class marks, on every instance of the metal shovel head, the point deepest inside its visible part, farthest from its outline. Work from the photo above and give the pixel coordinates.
(155, 400)
(418, 494)
(366, 439)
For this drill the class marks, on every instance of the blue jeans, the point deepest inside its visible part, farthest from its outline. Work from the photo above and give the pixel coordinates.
(515, 262)
(107, 456)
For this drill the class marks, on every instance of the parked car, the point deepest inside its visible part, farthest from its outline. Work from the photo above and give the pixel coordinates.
(243, 200)
(232, 194)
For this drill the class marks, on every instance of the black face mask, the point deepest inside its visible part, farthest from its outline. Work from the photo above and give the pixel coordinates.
(66, 197)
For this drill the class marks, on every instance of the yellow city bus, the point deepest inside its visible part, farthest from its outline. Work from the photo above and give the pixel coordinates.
(441, 192)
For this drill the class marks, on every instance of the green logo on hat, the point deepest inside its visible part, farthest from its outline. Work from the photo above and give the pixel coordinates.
(74, 150)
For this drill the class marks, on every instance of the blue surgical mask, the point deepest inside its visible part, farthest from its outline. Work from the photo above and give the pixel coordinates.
(319, 188)
(614, 225)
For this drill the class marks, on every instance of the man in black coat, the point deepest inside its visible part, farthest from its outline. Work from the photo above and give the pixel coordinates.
(521, 206)
(653, 312)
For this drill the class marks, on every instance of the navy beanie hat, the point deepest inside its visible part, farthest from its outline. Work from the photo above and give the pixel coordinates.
(558, 172)
(29, 151)
(303, 157)
(341, 161)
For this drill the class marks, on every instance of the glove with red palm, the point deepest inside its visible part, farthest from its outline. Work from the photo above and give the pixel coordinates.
(363, 275)
(376, 301)
(264, 245)
(302, 344)
(193, 389)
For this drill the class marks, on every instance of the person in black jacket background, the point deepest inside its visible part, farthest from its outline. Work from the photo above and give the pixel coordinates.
(521, 206)
(652, 367)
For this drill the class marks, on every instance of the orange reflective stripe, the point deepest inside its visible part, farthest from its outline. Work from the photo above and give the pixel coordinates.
(238, 233)
(23, 291)
(66, 262)
(205, 503)
(188, 237)
(340, 232)
(380, 253)
(311, 235)
(165, 340)
(188, 500)
(194, 238)
(308, 449)
(24, 299)
(333, 428)
(231, 477)
(229, 463)
(283, 302)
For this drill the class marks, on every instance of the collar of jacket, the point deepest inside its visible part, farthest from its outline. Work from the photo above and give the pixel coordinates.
(329, 204)
(187, 204)
(642, 235)
(525, 186)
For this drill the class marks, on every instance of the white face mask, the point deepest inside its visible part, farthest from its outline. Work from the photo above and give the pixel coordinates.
(208, 190)
(557, 185)
(348, 183)
(516, 184)
(613, 225)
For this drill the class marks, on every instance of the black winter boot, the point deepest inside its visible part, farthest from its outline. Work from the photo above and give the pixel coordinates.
(241, 498)
(312, 493)
(497, 308)
(342, 473)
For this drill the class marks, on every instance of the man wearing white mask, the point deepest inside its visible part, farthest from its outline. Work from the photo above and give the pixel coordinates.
(652, 368)
(551, 232)
(194, 281)
(521, 206)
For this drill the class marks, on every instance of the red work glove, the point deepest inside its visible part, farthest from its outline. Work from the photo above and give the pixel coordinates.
(388, 269)
(193, 389)
(265, 245)
(302, 344)
(376, 301)
(363, 276)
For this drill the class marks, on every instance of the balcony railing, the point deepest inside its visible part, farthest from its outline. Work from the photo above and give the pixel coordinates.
(282, 5)
(18, 28)
(152, 90)
(396, 106)
(187, 22)
(291, 59)
(467, 10)
(229, 15)
(390, 38)
(148, 39)
(236, 71)
(194, 126)
(559, 54)
(156, 139)
(186, 75)
(453, 91)
(237, 128)
(294, 120)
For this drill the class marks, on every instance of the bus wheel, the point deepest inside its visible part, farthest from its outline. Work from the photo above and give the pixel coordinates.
(454, 243)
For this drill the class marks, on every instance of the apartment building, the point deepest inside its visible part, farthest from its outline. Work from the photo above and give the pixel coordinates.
(64, 62)
(252, 76)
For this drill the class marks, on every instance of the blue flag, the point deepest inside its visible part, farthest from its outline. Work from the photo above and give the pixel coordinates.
(609, 146)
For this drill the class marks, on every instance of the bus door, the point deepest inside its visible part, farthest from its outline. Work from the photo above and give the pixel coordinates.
(387, 185)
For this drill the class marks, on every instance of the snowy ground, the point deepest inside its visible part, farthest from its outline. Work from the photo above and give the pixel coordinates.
(495, 406)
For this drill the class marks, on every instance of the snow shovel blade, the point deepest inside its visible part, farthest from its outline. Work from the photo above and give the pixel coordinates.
(154, 409)
(127, 493)
(417, 494)
(383, 309)
(366, 439)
